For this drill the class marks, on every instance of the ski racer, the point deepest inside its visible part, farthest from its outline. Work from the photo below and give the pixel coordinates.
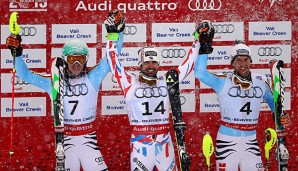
(240, 94)
(148, 106)
(80, 99)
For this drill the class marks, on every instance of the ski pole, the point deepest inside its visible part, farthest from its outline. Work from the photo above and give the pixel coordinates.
(14, 28)
(208, 148)
(270, 140)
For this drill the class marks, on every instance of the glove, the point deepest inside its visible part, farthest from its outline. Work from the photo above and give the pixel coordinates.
(13, 42)
(205, 33)
(115, 22)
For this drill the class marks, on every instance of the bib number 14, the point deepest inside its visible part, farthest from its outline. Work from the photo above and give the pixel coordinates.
(159, 108)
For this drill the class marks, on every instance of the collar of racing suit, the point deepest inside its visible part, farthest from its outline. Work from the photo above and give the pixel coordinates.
(151, 81)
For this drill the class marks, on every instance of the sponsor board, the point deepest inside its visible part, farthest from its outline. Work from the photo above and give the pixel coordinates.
(132, 33)
(31, 34)
(263, 54)
(220, 56)
(62, 33)
(34, 58)
(228, 31)
(23, 107)
(271, 30)
(21, 86)
(172, 56)
(128, 56)
(172, 32)
(57, 52)
(112, 105)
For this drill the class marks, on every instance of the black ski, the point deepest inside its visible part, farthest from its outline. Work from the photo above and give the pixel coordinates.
(172, 78)
(58, 109)
(277, 76)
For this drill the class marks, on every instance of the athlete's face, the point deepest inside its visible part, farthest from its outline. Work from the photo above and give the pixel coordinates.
(75, 68)
(242, 65)
(76, 63)
(150, 68)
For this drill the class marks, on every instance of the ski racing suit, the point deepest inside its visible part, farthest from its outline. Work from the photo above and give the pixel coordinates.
(80, 104)
(148, 110)
(236, 143)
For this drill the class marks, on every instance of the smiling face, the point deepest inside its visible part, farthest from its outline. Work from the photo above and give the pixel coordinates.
(76, 63)
(242, 65)
(150, 68)
(75, 68)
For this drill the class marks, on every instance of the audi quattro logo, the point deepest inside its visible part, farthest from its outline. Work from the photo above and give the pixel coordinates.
(28, 31)
(130, 30)
(224, 28)
(173, 53)
(18, 81)
(200, 5)
(270, 51)
(76, 90)
(253, 92)
(150, 92)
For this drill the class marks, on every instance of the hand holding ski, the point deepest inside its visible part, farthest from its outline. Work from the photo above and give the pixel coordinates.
(172, 78)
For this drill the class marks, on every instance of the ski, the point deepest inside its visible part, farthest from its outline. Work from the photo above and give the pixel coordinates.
(172, 79)
(57, 97)
(277, 76)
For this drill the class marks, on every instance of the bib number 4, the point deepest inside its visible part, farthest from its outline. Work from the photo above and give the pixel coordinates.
(246, 108)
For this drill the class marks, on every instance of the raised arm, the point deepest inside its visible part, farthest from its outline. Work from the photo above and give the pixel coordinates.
(44, 82)
(114, 25)
(204, 34)
(97, 74)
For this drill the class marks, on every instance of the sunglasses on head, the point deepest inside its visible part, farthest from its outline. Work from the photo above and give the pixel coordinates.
(243, 84)
(72, 59)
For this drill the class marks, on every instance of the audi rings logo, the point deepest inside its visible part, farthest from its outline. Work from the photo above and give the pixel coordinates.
(173, 53)
(130, 30)
(28, 31)
(253, 92)
(150, 92)
(76, 90)
(224, 28)
(270, 51)
(18, 81)
(199, 5)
